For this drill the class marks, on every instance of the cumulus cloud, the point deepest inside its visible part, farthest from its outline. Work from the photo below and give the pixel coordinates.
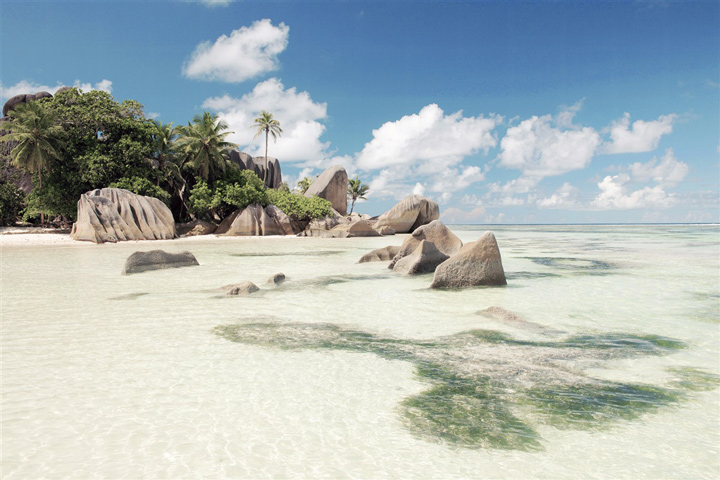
(23, 86)
(298, 114)
(564, 197)
(668, 171)
(246, 53)
(641, 136)
(455, 179)
(614, 195)
(543, 146)
(429, 140)
(455, 215)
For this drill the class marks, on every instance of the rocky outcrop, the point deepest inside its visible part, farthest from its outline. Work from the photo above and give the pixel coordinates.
(23, 98)
(385, 230)
(410, 213)
(114, 214)
(156, 260)
(477, 263)
(288, 226)
(196, 227)
(240, 289)
(257, 165)
(380, 254)
(250, 221)
(361, 228)
(435, 232)
(424, 259)
(331, 185)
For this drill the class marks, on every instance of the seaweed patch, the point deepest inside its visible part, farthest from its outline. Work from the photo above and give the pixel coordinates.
(579, 265)
(490, 390)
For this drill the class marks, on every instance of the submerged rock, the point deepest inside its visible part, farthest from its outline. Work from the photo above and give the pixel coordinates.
(477, 263)
(114, 214)
(276, 279)
(240, 289)
(424, 259)
(380, 254)
(156, 260)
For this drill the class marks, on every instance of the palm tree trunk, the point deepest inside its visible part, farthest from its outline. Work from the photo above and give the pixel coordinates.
(352, 205)
(267, 132)
(42, 215)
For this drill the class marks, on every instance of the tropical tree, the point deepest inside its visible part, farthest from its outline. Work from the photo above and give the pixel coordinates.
(265, 123)
(38, 139)
(164, 137)
(204, 143)
(356, 189)
(303, 185)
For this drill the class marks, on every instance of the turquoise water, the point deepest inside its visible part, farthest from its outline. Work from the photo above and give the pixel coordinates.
(607, 369)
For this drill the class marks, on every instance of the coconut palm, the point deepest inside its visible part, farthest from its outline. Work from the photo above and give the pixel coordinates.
(356, 189)
(204, 143)
(303, 185)
(38, 139)
(265, 123)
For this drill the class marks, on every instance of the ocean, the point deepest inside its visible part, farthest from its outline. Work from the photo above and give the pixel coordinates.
(600, 359)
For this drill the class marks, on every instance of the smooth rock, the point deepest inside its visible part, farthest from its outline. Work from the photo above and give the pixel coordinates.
(283, 220)
(424, 259)
(250, 221)
(331, 185)
(435, 232)
(410, 213)
(361, 228)
(196, 227)
(257, 165)
(157, 260)
(243, 288)
(276, 279)
(386, 230)
(477, 263)
(380, 254)
(114, 214)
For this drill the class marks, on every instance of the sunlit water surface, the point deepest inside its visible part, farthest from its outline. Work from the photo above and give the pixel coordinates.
(128, 376)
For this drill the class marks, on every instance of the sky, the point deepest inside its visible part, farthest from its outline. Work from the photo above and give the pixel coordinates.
(502, 112)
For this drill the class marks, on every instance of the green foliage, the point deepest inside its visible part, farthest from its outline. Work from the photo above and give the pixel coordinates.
(299, 207)
(240, 189)
(356, 190)
(142, 186)
(12, 201)
(266, 124)
(303, 185)
(203, 142)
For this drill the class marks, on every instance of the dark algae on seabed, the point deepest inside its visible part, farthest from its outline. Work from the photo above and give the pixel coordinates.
(489, 390)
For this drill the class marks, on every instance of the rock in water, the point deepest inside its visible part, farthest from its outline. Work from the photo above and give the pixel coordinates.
(156, 260)
(114, 214)
(435, 232)
(243, 288)
(331, 185)
(276, 279)
(424, 259)
(250, 221)
(380, 255)
(477, 263)
(410, 213)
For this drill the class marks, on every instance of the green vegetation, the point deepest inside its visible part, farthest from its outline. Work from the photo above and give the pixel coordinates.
(356, 189)
(75, 142)
(489, 390)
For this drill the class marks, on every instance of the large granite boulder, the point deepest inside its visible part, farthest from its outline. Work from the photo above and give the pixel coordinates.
(410, 213)
(250, 221)
(380, 255)
(114, 214)
(23, 98)
(361, 228)
(288, 226)
(424, 259)
(257, 165)
(477, 263)
(435, 232)
(331, 185)
(196, 227)
(156, 260)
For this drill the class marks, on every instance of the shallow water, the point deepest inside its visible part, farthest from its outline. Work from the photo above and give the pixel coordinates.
(610, 366)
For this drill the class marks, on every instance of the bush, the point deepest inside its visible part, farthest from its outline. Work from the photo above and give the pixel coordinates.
(240, 189)
(142, 186)
(12, 201)
(299, 207)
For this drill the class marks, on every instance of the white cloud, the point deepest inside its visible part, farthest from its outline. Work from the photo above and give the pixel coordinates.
(246, 53)
(668, 172)
(614, 195)
(216, 3)
(23, 86)
(455, 215)
(454, 180)
(419, 189)
(430, 140)
(642, 136)
(297, 113)
(565, 197)
(543, 146)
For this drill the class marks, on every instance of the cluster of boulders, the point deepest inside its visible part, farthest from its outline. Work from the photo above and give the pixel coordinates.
(434, 248)
(257, 165)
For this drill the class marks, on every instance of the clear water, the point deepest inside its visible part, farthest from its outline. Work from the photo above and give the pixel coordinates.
(112, 376)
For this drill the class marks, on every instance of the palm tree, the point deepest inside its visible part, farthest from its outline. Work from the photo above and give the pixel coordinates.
(303, 185)
(164, 136)
(356, 189)
(267, 124)
(204, 143)
(38, 139)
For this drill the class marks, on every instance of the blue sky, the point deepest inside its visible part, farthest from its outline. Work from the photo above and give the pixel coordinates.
(502, 112)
